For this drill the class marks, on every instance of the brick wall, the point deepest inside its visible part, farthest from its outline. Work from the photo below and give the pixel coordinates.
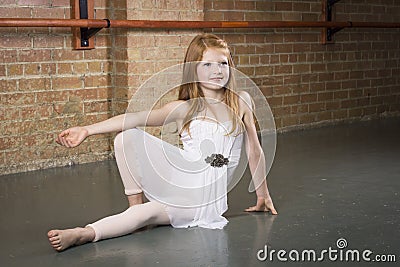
(307, 83)
(45, 86)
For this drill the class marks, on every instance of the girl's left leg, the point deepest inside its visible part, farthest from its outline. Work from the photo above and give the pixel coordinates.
(133, 218)
(125, 147)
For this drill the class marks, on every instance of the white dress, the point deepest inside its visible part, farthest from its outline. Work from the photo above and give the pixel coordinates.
(192, 182)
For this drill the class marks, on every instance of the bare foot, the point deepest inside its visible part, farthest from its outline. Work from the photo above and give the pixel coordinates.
(265, 205)
(269, 206)
(63, 239)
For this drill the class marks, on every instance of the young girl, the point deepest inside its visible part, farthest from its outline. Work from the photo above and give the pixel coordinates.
(185, 187)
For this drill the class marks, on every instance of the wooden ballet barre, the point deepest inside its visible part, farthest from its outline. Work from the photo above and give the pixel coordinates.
(84, 29)
(161, 24)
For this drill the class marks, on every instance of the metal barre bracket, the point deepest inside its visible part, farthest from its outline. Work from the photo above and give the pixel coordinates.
(82, 37)
(327, 14)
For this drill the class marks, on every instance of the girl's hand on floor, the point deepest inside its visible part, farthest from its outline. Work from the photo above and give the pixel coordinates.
(265, 205)
(72, 137)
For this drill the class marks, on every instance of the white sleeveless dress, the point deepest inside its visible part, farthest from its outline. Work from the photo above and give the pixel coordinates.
(192, 182)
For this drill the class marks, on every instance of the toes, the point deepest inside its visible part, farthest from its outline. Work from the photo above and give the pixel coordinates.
(51, 233)
(56, 238)
(274, 212)
(55, 242)
(272, 209)
(251, 209)
(58, 247)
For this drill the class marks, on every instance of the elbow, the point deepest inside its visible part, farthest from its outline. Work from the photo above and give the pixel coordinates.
(255, 153)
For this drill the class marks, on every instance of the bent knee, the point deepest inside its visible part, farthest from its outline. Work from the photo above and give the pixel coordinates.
(126, 136)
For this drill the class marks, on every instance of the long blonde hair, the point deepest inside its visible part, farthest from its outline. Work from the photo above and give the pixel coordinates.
(190, 89)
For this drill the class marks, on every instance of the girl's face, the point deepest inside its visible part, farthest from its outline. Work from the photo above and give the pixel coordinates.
(213, 70)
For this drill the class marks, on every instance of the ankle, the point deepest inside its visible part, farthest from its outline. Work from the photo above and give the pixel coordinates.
(135, 199)
(86, 234)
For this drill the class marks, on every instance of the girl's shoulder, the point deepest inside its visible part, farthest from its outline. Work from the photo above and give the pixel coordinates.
(177, 108)
(244, 96)
(176, 104)
(245, 100)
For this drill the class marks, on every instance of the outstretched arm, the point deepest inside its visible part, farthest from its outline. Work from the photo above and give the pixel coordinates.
(74, 136)
(256, 159)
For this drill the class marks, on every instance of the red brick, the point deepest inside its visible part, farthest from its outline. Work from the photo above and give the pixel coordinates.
(292, 79)
(95, 81)
(95, 107)
(290, 121)
(84, 94)
(317, 87)
(67, 83)
(307, 118)
(51, 96)
(15, 42)
(64, 3)
(282, 90)
(7, 143)
(283, 6)
(296, 16)
(33, 2)
(363, 83)
(239, 16)
(39, 84)
(297, 109)
(301, 68)
(45, 42)
(340, 94)
(301, 7)
(355, 112)
(9, 85)
(281, 111)
(245, 5)
(283, 48)
(67, 55)
(318, 67)
(333, 85)
(12, 12)
(17, 99)
(309, 78)
(325, 76)
(265, 6)
(349, 84)
(283, 69)
(339, 114)
(369, 111)
(308, 98)
(289, 100)
(317, 107)
(264, 70)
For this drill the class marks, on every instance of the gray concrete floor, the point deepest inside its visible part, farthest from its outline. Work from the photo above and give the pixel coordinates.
(328, 183)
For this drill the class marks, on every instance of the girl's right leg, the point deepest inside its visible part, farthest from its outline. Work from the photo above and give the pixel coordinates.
(135, 217)
(126, 156)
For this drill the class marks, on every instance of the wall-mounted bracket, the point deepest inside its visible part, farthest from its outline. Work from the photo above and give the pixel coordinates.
(328, 16)
(87, 33)
(83, 37)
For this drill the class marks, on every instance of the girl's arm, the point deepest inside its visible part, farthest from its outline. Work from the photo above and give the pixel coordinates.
(256, 158)
(74, 136)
